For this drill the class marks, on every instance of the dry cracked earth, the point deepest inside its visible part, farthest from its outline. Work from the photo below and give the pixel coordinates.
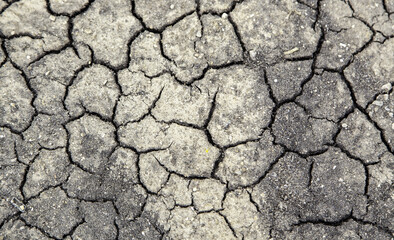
(207, 119)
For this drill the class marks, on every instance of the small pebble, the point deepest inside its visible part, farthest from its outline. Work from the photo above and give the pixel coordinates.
(224, 15)
(88, 31)
(291, 51)
(172, 6)
(198, 34)
(386, 87)
(378, 103)
(252, 54)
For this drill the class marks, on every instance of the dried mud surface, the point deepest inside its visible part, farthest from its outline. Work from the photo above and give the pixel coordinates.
(206, 119)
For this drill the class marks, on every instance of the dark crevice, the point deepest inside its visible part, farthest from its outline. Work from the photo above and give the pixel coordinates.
(211, 110)
(17, 155)
(317, 14)
(139, 176)
(208, 120)
(381, 131)
(236, 144)
(68, 151)
(279, 104)
(338, 222)
(11, 128)
(366, 185)
(216, 67)
(361, 109)
(375, 97)
(337, 31)
(70, 28)
(89, 199)
(386, 9)
(271, 166)
(24, 179)
(161, 29)
(306, 4)
(19, 35)
(228, 224)
(190, 177)
(3, 49)
(49, 8)
(313, 117)
(149, 150)
(119, 87)
(46, 189)
(384, 229)
(269, 87)
(162, 52)
(198, 8)
(9, 218)
(71, 232)
(128, 52)
(9, 5)
(206, 211)
(213, 12)
(194, 80)
(365, 166)
(54, 51)
(310, 174)
(216, 164)
(38, 228)
(254, 202)
(32, 90)
(183, 124)
(51, 52)
(107, 64)
(349, 155)
(117, 229)
(239, 36)
(299, 59)
(150, 108)
(227, 191)
(72, 15)
(98, 115)
(142, 210)
(76, 73)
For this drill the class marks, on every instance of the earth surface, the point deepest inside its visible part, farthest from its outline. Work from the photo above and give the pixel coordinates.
(206, 119)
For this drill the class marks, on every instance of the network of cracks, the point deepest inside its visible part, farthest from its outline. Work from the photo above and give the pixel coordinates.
(221, 119)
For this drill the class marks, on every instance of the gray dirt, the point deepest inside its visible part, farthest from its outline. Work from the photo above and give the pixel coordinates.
(196, 119)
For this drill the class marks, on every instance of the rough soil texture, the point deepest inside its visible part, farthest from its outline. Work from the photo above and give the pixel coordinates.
(196, 119)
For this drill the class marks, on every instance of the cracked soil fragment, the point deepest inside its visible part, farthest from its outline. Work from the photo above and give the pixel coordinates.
(181, 149)
(280, 26)
(115, 25)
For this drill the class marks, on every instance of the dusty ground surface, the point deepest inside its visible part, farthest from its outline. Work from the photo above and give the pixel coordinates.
(207, 119)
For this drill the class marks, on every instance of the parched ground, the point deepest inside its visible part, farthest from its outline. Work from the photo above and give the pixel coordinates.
(206, 119)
